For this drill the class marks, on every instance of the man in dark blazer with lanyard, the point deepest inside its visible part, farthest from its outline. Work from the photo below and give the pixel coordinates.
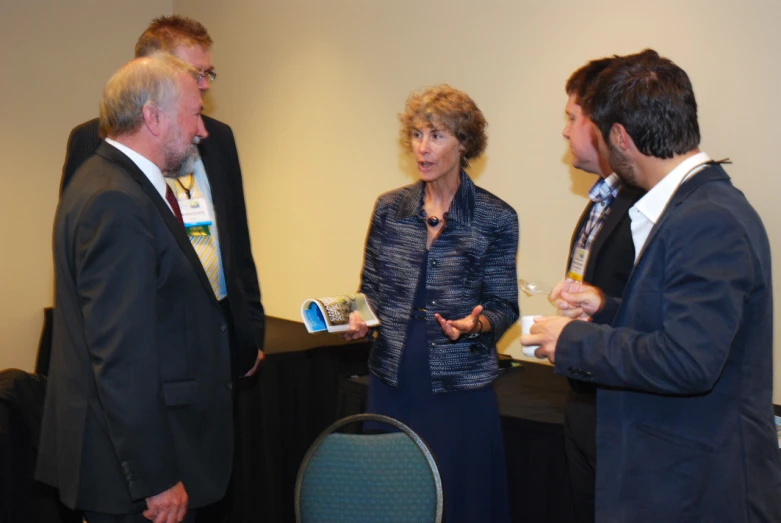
(685, 429)
(602, 254)
(217, 179)
(137, 422)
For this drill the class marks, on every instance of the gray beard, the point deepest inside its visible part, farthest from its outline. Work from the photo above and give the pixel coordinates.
(178, 165)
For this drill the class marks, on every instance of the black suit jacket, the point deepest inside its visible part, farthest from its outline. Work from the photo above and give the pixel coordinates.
(139, 385)
(611, 259)
(221, 161)
(612, 252)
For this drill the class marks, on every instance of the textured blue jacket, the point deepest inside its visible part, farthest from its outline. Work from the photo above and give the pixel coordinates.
(471, 263)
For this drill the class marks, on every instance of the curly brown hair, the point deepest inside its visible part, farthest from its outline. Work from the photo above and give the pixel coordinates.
(450, 108)
(166, 33)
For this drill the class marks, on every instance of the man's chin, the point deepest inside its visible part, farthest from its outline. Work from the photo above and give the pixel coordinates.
(182, 167)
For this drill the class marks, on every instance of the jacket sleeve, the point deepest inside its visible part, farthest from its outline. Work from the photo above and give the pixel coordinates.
(709, 273)
(370, 277)
(500, 285)
(115, 266)
(244, 259)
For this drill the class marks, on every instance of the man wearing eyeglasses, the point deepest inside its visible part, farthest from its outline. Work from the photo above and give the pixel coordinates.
(213, 193)
(216, 180)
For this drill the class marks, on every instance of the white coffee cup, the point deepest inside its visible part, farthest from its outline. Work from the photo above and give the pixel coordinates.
(526, 324)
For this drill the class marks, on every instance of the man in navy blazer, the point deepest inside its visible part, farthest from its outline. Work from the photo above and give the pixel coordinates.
(239, 291)
(685, 429)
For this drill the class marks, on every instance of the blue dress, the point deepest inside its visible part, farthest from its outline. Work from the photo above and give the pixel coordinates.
(462, 428)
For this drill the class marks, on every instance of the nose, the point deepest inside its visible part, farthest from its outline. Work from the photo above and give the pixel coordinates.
(203, 83)
(422, 144)
(565, 132)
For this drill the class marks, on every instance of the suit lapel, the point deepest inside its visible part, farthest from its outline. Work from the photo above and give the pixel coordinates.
(711, 173)
(618, 208)
(576, 233)
(116, 156)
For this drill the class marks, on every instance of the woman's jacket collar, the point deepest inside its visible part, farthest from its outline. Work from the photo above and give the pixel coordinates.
(461, 209)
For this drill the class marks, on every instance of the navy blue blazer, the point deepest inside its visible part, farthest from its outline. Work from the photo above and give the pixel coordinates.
(221, 161)
(685, 428)
(472, 262)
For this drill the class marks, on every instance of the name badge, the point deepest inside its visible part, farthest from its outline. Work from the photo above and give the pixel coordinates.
(196, 216)
(577, 269)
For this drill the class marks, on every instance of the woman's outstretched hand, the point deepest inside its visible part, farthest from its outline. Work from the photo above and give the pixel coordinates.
(470, 324)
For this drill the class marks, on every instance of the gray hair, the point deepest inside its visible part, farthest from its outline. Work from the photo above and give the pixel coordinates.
(147, 80)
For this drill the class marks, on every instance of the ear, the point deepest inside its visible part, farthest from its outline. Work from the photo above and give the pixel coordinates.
(620, 138)
(154, 118)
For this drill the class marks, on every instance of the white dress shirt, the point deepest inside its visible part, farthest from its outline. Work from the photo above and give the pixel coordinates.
(646, 212)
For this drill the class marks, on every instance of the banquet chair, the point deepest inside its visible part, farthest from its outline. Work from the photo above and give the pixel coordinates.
(368, 477)
(22, 499)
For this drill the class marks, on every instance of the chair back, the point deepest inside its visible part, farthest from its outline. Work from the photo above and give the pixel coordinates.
(389, 477)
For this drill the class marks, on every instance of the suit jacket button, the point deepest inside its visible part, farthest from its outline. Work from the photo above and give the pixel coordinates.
(229, 385)
(223, 327)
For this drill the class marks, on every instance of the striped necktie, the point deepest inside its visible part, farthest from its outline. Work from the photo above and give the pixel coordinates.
(186, 188)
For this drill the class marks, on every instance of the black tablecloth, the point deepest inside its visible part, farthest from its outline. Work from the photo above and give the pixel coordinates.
(280, 412)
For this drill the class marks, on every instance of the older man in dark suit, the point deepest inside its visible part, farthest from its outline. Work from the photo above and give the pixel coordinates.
(137, 419)
(601, 254)
(685, 419)
(222, 244)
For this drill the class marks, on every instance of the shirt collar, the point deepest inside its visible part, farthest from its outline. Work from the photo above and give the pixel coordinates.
(147, 167)
(653, 203)
(605, 187)
(461, 207)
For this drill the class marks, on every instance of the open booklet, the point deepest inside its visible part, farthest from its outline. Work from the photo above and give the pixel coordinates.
(333, 313)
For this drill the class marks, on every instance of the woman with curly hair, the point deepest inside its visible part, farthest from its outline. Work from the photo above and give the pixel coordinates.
(440, 270)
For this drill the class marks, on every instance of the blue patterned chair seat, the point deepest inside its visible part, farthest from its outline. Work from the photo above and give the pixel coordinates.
(361, 478)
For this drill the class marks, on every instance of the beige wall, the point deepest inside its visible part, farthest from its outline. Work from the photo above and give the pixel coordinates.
(55, 57)
(312, 89)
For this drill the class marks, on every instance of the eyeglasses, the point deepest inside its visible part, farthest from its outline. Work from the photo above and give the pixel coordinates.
(210, 74)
